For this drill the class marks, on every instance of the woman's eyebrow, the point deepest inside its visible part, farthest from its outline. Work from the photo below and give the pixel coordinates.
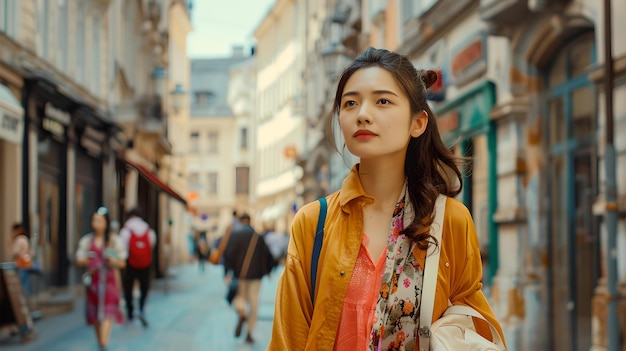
(375, 92)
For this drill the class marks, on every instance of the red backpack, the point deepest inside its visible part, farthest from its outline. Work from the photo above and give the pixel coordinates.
(139, 250)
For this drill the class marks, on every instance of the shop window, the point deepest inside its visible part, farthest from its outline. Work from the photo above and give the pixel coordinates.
(242, 180)
(212, 183)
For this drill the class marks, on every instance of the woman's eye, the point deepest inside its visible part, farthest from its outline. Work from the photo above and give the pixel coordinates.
(384, 101)
(349, 103)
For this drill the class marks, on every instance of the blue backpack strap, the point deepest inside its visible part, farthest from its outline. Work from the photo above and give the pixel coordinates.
(317, 245)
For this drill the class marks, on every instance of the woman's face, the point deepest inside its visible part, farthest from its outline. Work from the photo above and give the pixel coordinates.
(375, 115)
(98, 223)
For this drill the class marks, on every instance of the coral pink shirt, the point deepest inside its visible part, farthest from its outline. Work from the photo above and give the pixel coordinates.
(357, 314)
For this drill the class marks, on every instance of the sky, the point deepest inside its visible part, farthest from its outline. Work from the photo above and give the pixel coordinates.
(218, 25)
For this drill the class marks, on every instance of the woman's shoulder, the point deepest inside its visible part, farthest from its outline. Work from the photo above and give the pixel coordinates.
(456, 212)
(311, 210)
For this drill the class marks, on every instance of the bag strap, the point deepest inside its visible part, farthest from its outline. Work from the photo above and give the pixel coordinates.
(223, 242)
(248, 258)
(317, 245)
(430, 275)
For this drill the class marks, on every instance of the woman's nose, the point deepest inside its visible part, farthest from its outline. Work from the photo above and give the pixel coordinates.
(363, 117)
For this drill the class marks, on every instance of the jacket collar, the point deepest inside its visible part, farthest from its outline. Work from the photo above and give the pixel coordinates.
(353, 189)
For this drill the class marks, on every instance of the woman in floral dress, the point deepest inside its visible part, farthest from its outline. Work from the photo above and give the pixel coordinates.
(102, 254)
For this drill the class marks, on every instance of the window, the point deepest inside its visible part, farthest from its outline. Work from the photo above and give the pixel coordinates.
(194, 142)
(96, 54)
(43, 12)
(213, 142)
(8, 17)
(243, 180)
(62, 34)
(203, 98)
(244, 137)
(212, 185)
(194, 181)
(407, 9)
(81, 44)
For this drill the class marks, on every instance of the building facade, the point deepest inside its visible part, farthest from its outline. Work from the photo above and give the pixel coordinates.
(521, 94)
(81, 72)
(218, 160)
(279, 115)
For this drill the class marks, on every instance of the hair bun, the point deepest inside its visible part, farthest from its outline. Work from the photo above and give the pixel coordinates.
(429, 77)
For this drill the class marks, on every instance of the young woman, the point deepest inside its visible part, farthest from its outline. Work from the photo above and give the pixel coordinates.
(369, 280)
(102, 254)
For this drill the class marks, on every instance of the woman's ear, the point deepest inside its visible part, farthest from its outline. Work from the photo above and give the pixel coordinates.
(419, 124)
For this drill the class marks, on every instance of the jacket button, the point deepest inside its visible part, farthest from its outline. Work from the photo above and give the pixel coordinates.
(447, 264)
(342, 273)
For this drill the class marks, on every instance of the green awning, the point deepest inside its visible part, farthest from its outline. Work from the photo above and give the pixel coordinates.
(472, 109)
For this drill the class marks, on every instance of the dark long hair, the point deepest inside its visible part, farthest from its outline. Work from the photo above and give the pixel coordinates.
(430, 167)
(104, 212)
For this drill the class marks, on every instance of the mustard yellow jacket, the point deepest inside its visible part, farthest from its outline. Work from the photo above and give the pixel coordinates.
(299, 326)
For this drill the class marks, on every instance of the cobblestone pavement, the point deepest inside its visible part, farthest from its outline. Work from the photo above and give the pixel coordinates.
(191, 314)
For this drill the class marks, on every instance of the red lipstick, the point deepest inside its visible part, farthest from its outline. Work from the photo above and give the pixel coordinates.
(364, 134)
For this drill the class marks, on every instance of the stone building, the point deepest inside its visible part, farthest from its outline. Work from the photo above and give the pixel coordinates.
(522, 94)
(279, 118)
(219, 153)
(89, 116)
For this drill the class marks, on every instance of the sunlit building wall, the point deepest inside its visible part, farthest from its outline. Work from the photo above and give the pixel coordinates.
(280, 109)
(175, 219)
(213, 147)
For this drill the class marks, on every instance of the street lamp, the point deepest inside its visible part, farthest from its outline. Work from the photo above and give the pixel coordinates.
(178, 98)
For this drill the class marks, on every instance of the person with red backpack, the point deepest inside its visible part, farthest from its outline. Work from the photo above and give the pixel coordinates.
(140, 241)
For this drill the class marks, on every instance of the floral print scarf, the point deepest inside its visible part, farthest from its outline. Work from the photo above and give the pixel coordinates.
(397, 310)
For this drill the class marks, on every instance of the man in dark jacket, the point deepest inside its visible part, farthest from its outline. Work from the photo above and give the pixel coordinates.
(250, 259)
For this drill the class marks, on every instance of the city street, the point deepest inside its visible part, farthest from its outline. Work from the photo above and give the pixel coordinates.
(192, 315)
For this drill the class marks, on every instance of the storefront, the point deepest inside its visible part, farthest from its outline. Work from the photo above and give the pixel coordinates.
(66, 144)
(465, 125)
(90, 149)
(11, 135)
(51, 150)
(572, 186)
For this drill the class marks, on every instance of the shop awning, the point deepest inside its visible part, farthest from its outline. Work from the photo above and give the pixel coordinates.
(156, 181)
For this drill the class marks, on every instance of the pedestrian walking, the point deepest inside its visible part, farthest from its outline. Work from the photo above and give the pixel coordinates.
(367, 289)
(22, 254)
(201, 244)
(103, 254)
(139, 239)
(276, 242)
(247, 256)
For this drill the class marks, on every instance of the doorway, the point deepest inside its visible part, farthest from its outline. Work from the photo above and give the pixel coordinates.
(573, 186)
